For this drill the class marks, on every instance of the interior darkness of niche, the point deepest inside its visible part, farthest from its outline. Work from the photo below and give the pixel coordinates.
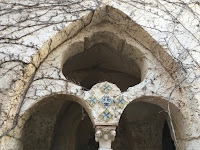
(102, 63)
(77, 127)
(167, 142)
(142, 127)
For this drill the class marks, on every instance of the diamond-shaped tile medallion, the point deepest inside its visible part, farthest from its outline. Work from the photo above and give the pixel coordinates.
(106, 115)
(120, 101)
(106, 100)
(106, 88)
(92, 100)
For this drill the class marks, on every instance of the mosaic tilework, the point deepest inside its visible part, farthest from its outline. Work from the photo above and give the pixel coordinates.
(106, 115)
(106, 100)
(92, 100)
(120, 101)
(106, 88)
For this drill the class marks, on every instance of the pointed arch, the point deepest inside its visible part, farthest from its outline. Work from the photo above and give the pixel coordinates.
(105, 25)
(133, 33)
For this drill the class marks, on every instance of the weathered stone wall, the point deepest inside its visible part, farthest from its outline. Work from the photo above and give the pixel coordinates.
(169, 46)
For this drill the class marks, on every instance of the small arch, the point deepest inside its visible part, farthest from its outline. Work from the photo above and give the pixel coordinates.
(60, 96)
(143, 126)
(53, 123)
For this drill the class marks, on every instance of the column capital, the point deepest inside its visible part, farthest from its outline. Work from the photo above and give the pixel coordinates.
(105, 135)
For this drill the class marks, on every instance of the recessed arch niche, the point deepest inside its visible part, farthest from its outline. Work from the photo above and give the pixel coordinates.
(111, 49)
(143, 126)
(58, 123)
(102, 60)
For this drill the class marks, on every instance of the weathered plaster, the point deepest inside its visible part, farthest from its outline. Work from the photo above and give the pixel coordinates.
(158, 69)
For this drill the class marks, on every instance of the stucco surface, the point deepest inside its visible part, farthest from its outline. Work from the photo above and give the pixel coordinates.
(141, 42)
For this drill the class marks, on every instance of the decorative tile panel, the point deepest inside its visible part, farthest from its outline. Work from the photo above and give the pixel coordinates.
(106, 88)
(120, 101)
(92, 100)
(106, 115)
(106, 100)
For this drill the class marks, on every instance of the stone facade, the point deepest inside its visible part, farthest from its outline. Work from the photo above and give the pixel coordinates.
(123, 73)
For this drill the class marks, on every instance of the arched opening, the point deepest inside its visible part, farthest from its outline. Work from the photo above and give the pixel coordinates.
(57, 124)
(101, 61)
(143, 126)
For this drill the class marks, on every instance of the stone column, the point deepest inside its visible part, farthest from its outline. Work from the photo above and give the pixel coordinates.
(105, 135)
